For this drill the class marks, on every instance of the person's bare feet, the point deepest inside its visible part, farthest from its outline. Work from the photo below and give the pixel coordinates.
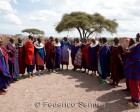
(2, 92)
(133, 104)
(32, 75)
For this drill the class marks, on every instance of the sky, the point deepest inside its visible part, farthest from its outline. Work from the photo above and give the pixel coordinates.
(16, 15)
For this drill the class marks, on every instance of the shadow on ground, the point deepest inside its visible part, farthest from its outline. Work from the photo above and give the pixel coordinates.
(115, 100)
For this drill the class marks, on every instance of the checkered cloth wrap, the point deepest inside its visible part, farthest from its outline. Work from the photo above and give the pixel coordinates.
(78, 58)
(132, 65)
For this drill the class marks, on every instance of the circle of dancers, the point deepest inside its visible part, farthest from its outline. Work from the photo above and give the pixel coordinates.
(94, 57)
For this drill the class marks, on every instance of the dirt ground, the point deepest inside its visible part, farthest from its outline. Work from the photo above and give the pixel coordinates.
(65, 91)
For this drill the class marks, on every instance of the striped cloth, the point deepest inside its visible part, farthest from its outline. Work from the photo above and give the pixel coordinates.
(78, 58)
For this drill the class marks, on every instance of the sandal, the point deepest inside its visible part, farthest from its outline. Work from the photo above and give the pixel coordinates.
(133, 104)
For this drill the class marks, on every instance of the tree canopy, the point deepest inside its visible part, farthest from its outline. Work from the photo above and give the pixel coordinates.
(34, 31)
(86, 24)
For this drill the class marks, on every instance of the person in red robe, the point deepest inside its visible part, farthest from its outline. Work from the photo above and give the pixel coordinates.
(116, 61)
(21, 56)
(132, 73)
(29, 58)
(50, 54)
(39, 56)
(127, 50)
(85, 47)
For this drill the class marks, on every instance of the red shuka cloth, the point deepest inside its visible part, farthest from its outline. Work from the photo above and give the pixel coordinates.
(50, 55)
(134, 89)
(29, 47)
(85, 54)
(21, 59)
(5, 52)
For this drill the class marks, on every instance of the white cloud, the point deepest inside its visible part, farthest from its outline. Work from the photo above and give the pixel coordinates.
(13, 18)
(126, 12)
(43, 15)
(5, 6)
(8, 12)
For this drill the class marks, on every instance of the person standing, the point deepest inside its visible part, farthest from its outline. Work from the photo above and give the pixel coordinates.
(39, 55)
(65, 52)
(5, 76)
(93, 56)
(58, 54)
(50, 54)
(85, 59)
(21, 56)
(29, 58)
(104, 61)
(116, 62)
(132, 73)
(13, 60)
(76, 54)
(132, 44)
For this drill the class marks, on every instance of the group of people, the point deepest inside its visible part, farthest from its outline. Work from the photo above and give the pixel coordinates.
(100, 58)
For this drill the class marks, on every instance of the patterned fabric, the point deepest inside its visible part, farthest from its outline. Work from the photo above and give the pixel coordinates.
(3, 67)
(4, 72)
(65, 52)
(5, 53)
(78, 58)
(40, 56)
(132, 65)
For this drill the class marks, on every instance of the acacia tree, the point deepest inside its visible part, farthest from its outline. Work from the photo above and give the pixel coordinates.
(34, 31)
(86, 24)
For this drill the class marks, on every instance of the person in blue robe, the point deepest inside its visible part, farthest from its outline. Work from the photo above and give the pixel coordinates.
(4, 73)
(104, 61)
(92, 56)
(65, 52)
(58, 54)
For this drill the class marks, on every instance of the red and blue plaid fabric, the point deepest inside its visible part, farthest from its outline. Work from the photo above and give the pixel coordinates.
(3, 67)
(132, 65)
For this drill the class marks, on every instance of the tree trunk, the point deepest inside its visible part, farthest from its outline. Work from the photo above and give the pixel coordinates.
(80, 32)
(83, 33)
(90, 33)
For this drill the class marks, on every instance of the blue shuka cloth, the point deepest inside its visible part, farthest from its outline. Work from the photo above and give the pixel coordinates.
(132, 65)
(4, 73)
(58, 56)
(74, 51)
(104, 61)
(13, 61)
(64, 43)
(41, 52)
(92, 55)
